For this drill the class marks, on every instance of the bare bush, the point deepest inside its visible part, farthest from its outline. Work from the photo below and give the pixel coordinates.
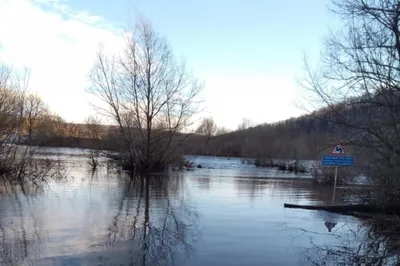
(326, 175)
(20, 114)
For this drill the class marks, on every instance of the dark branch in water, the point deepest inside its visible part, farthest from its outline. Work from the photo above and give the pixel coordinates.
(351, 209)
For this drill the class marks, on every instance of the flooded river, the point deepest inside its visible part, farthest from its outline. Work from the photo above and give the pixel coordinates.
(226, 213)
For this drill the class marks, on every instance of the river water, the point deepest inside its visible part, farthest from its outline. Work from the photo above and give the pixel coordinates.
(226, 213)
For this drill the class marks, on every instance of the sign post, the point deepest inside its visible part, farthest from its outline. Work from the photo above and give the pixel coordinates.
(334, 186)
(337, 157)
(336, 175)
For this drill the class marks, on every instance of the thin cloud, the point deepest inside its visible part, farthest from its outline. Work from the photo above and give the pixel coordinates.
(59, 45)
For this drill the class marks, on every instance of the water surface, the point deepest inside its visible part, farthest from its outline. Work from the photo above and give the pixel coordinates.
(225, 214)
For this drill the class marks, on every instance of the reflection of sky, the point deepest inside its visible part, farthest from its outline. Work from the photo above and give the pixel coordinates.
(70, 218)
(243, 219)
(228, 167)
(247, 218)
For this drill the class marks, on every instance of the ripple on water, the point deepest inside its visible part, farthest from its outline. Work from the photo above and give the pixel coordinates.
(231, 214)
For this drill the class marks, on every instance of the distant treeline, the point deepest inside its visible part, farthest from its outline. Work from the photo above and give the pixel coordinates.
(305, 137)
(299, 138)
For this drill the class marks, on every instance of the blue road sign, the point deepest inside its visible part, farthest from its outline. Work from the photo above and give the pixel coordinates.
(337, 160)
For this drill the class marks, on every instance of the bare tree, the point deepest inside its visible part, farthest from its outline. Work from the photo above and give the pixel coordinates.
(222, 131)
(358, 84)
(149, 94)
(246, 123)
(5, 76)
(34, 112)
(10, 109)
(207, 127)
(93, 128)
(94, 133)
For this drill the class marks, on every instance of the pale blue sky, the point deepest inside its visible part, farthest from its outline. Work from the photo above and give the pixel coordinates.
(249, 53)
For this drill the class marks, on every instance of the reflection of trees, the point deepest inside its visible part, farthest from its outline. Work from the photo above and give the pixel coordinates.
(281, 188)
(371, 243)
(252, 187)
(16, 243)
(204, 183)
(315, 193)
(152, 225)
(155, 220)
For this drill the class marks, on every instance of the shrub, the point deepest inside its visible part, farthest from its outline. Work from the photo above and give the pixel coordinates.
(326, 175)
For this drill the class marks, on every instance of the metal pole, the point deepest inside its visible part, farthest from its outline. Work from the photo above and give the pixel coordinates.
(334, 186)
(335, 175)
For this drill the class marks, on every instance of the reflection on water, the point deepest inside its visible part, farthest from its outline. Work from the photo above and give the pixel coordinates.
(204, 217)
(105, 220)
(364, 244)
